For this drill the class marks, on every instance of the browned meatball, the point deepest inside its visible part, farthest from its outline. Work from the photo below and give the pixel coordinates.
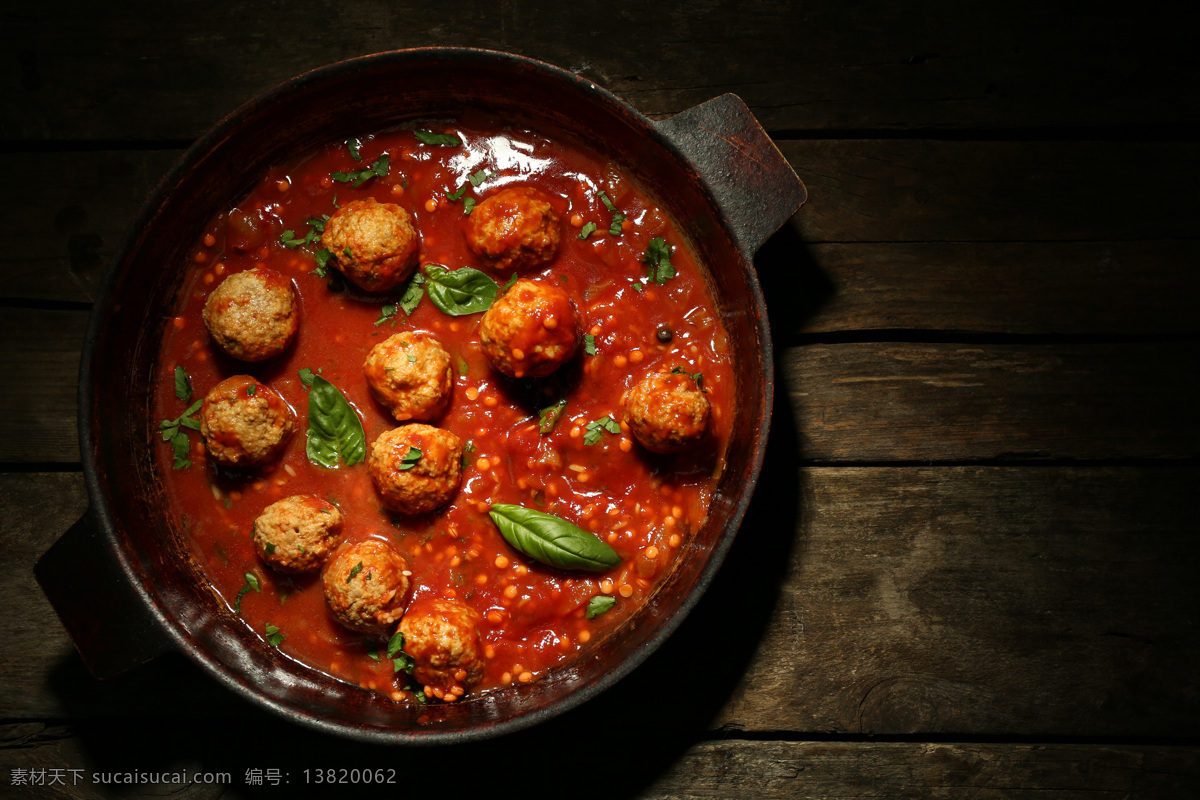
(667, 412)
(366, 585)
(245, 422)
(381, 240)
(410, 374)
(514, 229)
(252, 315)
(530, 330)
(414, 483)
(297, 533)
(442, 636)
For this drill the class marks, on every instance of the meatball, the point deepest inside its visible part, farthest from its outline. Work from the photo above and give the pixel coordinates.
(410, 374)
(297, 533)
(366, 585)
(514, 229)
(667, 412)
(381, 240)
(442, 636)
(244, 422)
(252, 315)
(414, 483)
(530, 330)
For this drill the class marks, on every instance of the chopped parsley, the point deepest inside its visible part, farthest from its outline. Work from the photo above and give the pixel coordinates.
(401, 661)
(307, 376)
(170, 429)
(386, 313)
(322, 256)
(410, 459)
(274, 637)
(461, 191)
(251, 389)
(467, 450)
(251, 583)
(361, 176)
(657, 259)
(599, 604)
(413, 293)
(468, 205)
(696, 376)
(594, 430)
(615, 228)
(508, 285)
(548, 417)
(357, 568)
(352, 145)
(589, 344)
(372, 650)
(587, 230)
(183, 384)
(269, 547)
(429, 137)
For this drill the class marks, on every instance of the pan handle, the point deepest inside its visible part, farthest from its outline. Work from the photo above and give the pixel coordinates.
(108, 621)
(754, 185)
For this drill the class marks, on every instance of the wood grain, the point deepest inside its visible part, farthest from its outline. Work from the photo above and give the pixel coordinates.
(882, 601)
(168, 72)
(736, 768)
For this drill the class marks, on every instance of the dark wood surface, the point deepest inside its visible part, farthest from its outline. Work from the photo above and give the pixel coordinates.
(969, 567)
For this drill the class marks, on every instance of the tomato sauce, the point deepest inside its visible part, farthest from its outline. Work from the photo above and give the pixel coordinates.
(645, 506)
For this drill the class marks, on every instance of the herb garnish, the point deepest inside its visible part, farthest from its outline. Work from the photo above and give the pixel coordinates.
(552, 540)
(352, 145)
(599, 605)
(334, 429)
(183, 385)
(510, 283)
(429, 137)
(589, 344)
(658, 261)
(372, 650)
(357, 568)
(361, 176)
(171, 432)
(410, 459)
(413, 292)
(587, 230)
(251, 583)
(696, 376)
(462, 291)
(274, 637)
(386, 313)
(307, 376)
(401, 661)
(548, 417)
(597, 428)
(615, 228)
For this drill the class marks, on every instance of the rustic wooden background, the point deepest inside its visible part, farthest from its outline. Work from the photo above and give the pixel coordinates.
(965, 573)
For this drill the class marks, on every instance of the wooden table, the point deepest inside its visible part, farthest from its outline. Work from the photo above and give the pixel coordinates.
(965, 570)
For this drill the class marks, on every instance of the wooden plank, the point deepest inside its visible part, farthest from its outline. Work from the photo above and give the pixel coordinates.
(882, 601)
(953, 402)
(850, 402)
(906, 191)
(39, 375)
(170, 72)
(735, 768)
(1099, 287)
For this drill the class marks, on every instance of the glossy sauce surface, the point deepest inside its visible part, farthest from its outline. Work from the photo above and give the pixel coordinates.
(644, 505)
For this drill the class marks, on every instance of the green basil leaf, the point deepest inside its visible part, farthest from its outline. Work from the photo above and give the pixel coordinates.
(183, 384)
(461, 291)
(274, 637)
(552, 540)
(395, 644)
(549, 416)
(615, 228)
(589, 344)
(410, 459)
(334, 429)
(597, 428)
(607, 202)
(479, 177)
(357, 568)
(413, 294)
(306, 377)
(462, 189)
(251, 584)
(429, 137)
(587, 230)
(599, 605)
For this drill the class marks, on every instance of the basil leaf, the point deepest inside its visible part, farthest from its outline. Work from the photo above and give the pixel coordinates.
(357, 568)
(334, 429)
(180, 444)
(462, 189)
(478, 178)
(306, 377)
(413, 294)
(461, 291)
(552, 540)
(429, 137)
(589, 344)
(468, 205)
(251, 583)
(274, 637)
(607, 202)
(587, 230)
(599, 605)
(548, 417)
(395, 644)
(183, 384)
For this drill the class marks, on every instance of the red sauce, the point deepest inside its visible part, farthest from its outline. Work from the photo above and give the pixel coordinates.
(645, 506)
